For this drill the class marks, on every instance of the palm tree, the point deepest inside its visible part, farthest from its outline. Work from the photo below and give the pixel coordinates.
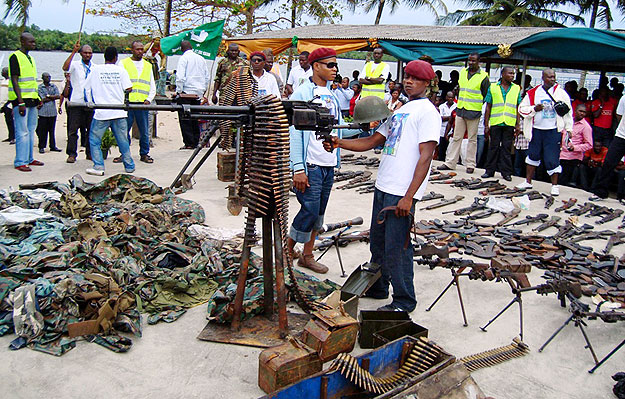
(599, 10)
(511, 13)
(18, 9)
(432, 5)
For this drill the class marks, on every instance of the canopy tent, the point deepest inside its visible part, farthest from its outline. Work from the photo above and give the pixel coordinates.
(579, 48)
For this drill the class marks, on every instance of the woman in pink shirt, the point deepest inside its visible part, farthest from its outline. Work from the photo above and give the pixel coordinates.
(574, 146)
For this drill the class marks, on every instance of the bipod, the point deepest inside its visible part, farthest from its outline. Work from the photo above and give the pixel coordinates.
(517, 299)
(613, 351)
(335, 243)
(577, 318)
(454, 281)
(183, 179)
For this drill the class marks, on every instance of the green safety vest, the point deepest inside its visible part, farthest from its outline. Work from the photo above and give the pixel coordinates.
(504, 110)
(140, 84)
(373, 90)
(27, 80)
(470, 96)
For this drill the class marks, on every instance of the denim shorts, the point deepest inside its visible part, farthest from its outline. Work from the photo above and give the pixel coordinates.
(313, 202)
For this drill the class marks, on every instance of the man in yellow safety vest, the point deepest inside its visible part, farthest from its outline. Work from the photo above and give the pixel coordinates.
(375, 74)
(143, 92)
(24, 95)
(474, 84)
(501, 123)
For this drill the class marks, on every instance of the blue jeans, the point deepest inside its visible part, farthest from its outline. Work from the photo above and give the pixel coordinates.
(118, 126)
(141, 116)
(545, 145)
(25, 127)
(387, 243)
(313, 201)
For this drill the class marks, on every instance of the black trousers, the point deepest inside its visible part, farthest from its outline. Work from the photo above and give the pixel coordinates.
(45, 131)
(499, 158)
(189, 127)
(8, 118)
(443, 143)
(78, 118)
(612, 158)
(569, 167)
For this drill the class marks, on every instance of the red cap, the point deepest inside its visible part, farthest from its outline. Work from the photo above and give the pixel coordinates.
(321, 54)
(258, 54)
(420, 70)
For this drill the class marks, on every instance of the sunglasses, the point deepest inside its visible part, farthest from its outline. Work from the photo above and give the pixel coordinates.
(330, 65)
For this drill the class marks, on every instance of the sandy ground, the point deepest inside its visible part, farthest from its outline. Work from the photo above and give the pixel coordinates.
(169, 362)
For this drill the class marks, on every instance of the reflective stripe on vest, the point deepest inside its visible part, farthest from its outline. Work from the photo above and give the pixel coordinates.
(377, 89)
(27, 80)
(470, 96)
(140, 84)
(504, 110)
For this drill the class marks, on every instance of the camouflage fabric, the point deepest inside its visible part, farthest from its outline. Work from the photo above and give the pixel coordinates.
(225, 68)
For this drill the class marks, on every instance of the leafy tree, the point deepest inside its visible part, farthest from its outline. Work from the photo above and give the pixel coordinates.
(600, 11)
(431, 5)
(511, 13)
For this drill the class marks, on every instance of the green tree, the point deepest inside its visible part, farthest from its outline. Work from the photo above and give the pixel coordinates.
(511, 13)
(431, 5)
(600, 11)
(18, 9)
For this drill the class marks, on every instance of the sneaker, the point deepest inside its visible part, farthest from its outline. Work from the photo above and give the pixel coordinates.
(524, 185)
(487, 175)
(55, 149)
(71, 159)
(309, 262)
(95, 172)
(507, 177)
(42, 151)
(470, 170)
(443, 167)
(555, 190)
(389, 308)
(595, 198)
(130, 170)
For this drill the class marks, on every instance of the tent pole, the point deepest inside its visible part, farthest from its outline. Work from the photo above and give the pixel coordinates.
(523, 76)
(399, 71)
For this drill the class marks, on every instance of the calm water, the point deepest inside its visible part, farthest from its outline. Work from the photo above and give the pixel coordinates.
(52, 61)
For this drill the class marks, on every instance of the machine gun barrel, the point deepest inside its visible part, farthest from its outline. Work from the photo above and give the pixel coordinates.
(335, 226)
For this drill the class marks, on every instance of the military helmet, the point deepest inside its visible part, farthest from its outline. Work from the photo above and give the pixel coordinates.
(370, 109)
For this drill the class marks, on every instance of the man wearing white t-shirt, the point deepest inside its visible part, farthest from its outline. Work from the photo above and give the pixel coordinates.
(313, 166)
(299, 74)
(78, 117)
(445, 110)
(267, 83)
(410, 137)
(616, 151)
(108, 84)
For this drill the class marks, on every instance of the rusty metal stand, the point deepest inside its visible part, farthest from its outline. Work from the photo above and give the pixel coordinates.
(454, 281)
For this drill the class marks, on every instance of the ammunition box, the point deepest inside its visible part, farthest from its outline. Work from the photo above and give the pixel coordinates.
(226, 166)
(387, 335)
(330, 332)
(372, 321)
(285, 364)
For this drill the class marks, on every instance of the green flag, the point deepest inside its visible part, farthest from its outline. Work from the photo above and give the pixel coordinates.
(205, 40)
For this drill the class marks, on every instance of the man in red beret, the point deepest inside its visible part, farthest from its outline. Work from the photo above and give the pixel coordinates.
(313, 166)
(409, 137)
(267, 83)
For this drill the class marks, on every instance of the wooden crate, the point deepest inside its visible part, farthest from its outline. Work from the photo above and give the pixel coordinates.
(226, 166)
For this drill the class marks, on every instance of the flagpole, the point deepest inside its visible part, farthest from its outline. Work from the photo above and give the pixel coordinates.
(82, 21)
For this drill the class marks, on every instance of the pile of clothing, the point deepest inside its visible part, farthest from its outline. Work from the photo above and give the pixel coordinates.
(83, 261)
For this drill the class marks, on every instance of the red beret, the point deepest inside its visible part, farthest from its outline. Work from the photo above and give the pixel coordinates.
(258, 54)
(420, 69)
(321, 54)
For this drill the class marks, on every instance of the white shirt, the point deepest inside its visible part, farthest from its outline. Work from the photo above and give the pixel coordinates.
(445, 110)
(344, 95)
(107, 84)
(545, 119)
(315, 153)
(139, 65)
(416, 122)
(78, 72)
(267, 84)
(385, 71)
(620, 110)
(4, 91)
(298, 76)
(192, 74)
(480, 124)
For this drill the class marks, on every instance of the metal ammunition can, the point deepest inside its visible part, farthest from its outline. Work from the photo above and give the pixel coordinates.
(285, 364)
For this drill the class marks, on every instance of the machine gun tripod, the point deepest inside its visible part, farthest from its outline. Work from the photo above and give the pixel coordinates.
(336, 238)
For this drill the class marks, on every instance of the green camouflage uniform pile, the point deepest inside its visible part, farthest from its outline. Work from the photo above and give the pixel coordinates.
(96, 257)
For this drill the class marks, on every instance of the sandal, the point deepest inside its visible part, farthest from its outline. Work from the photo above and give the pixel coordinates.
(147, 159)
(117, 160)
